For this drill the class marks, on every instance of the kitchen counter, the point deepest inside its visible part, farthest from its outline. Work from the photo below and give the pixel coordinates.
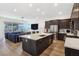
(71, 45)
(35, 36)
(35, 44)
(72, 42)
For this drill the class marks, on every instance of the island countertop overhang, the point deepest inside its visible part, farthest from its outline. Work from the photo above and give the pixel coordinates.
(36, 36)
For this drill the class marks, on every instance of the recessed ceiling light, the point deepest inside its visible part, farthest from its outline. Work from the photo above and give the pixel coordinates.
(38, 9)
(42, 13)
(14, 10)
(30, 5)
(60, 13)
(55, 4)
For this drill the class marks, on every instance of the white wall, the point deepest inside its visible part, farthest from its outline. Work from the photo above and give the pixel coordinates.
(40, 22)
(2, 25)
(41, 25)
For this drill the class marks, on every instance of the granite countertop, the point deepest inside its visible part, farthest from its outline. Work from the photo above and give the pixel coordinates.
(36, 36)
(72, 42)
(72, 35)
(62, 32)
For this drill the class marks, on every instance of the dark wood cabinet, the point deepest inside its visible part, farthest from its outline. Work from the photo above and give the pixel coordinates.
(75, 17)
(75, 12)
(76, 25)
(36, 47)
(61, 36)
(71, 52)
(64, 24)
(51, 22)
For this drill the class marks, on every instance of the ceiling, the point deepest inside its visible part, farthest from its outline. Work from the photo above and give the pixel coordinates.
(36, 10)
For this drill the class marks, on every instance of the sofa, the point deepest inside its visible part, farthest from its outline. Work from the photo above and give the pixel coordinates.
(14, 36)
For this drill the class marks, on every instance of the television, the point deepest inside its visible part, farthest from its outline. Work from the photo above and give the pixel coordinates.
(34, 26)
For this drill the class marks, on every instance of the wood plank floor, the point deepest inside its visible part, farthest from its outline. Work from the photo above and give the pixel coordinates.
(8, 48)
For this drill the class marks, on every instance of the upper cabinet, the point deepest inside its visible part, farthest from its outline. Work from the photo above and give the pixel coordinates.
(64, 24)
(75, 12)
(75, 17)
(51, 22)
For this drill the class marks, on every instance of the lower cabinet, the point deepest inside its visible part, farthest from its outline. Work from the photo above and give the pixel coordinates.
(61, 36)
(36, 47)
(71, 52)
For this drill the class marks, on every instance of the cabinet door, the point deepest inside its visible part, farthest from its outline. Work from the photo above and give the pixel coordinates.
(42, 44)
(75, 12)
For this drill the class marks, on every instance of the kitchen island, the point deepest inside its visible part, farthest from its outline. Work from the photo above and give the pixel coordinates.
(35, 44)
(72, 45)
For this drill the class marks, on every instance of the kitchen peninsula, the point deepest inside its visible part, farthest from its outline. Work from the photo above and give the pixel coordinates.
(72, 45)
(35, 44)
